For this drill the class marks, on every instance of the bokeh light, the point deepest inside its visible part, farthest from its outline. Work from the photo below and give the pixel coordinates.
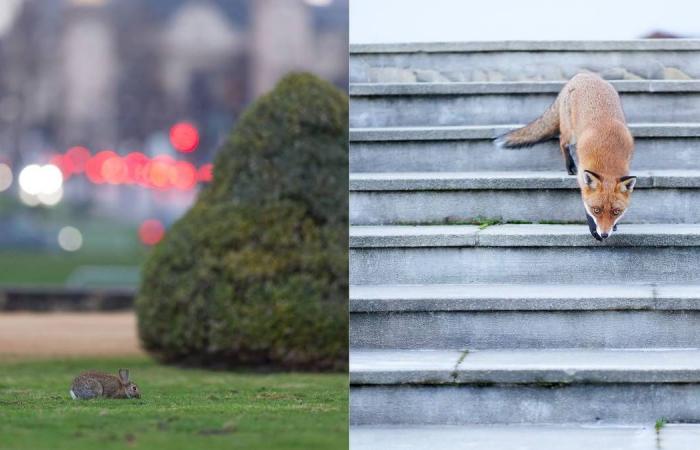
(206, 173)
(135, 167)
(28, 199)
(76, 159)
(35, 179)
(70, 239)
(51, 198)
(63, 165)
(184, 175)
(151, 231)
(52, 179)
(159, 171)
(93, 168)
(115, 170)
(29, 179)
(5, 177)
(184, 137)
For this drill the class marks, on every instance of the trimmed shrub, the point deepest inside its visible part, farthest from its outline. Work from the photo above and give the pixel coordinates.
(256, 273)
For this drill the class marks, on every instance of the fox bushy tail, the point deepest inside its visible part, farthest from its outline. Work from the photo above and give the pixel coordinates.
(541, 129)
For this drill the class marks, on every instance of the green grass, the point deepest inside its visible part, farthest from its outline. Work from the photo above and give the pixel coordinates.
(106, 242)
(44, 268)
(660, 423)
(179, 409)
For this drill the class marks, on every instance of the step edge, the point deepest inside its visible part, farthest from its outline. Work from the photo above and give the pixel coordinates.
(359, 90)
(487, 132)
(505, 180)
(547, 378)
(495, 305)
(632, 45)
(506, 236)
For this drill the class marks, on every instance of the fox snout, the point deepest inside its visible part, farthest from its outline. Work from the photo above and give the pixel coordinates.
(597, 231)
(604, 231)
(593, 227)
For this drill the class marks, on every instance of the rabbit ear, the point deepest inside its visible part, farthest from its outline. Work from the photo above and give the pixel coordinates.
(124, 375)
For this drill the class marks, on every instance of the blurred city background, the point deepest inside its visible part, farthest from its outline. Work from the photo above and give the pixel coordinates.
(111, 112)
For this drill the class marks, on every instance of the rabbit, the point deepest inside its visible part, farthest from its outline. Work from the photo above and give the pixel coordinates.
(96, 384)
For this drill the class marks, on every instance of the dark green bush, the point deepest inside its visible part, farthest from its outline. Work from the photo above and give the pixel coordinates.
(255, 274)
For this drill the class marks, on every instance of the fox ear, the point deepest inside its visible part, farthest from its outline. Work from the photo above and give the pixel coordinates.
(627, 183)
(591, 179)
(124, 375)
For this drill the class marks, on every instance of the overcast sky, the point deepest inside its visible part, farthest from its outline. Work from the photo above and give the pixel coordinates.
(373, 21)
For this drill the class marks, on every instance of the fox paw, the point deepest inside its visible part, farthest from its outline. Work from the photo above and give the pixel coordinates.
(571, 168)
(596, 236)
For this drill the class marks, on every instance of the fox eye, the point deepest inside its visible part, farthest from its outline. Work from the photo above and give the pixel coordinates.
(616, 212)
(596, 210)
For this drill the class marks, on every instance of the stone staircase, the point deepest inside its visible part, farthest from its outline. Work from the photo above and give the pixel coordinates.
(483, 314)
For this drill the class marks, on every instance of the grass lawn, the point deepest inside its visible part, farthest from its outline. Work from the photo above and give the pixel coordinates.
(35, 268)
(105, 244)
(180, 409)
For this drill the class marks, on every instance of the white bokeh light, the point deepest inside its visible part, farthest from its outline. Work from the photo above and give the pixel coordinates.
(35, 179)
(51, 199)
(52, 179)
(30, 179)
(5, 177)
(70, 239)
(28, 199)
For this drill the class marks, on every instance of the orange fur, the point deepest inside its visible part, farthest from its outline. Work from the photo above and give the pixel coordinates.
(587, 114)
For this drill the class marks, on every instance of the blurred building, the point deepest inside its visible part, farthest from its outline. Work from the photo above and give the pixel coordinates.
(116, 74)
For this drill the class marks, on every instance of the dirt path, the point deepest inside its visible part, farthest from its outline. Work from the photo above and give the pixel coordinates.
(68, 334)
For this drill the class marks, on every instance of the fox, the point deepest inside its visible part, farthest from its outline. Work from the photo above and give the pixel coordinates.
(587, 116)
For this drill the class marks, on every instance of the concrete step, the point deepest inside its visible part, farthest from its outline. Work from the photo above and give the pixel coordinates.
(511, 254)
(524, 60)
(440, 387)
(441, 104)
(471, 149)
(661, 196)
(525, 437)
(492, 316)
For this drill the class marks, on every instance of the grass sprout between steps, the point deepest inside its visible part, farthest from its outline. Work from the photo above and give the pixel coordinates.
(660, 423)
(455, 372)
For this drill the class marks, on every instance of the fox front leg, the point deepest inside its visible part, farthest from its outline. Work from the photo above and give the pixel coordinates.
(592, 226)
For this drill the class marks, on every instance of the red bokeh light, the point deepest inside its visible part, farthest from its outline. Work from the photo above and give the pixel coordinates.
(136, 167)
(114, 170)
(183, 175)
(63, 164)
(184, 137)
(76, 159)
(151, 232)
(159, 171)
(93, 168)
(206, 173)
